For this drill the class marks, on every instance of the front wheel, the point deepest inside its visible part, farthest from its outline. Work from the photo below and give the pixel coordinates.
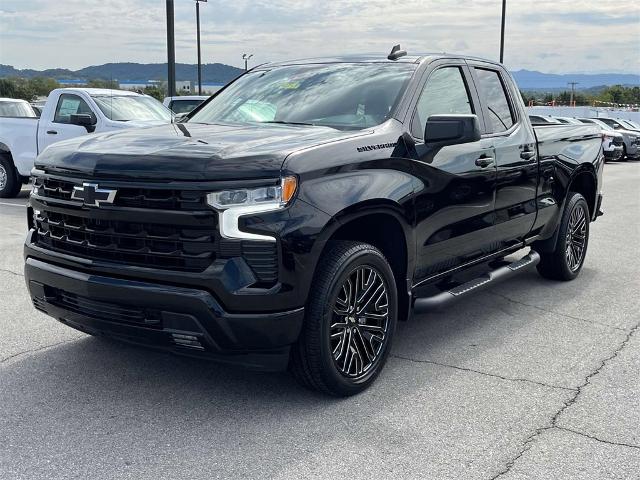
(350, 320)
(566, 260)
(10, 184)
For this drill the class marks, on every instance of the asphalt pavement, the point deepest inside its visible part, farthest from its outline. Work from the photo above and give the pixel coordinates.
(532, 379)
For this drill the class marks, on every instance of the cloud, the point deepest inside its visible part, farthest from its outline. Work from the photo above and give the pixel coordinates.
(547, 35)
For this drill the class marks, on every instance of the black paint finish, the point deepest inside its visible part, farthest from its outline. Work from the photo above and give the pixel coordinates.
(456, 205)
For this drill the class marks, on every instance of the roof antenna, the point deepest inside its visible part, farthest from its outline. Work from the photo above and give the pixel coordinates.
(396, 53)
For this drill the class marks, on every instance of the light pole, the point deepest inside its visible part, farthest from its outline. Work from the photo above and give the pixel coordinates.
(573, 89)
(199, 58)
(246, 58)
(504, 12)
(171, 52)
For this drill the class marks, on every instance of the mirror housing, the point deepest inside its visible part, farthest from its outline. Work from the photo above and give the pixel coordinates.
(84, 120)
(452, 129)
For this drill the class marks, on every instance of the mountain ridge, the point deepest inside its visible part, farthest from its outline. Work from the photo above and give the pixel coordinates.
(221, 73)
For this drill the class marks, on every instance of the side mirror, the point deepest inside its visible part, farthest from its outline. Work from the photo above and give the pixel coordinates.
(452, 129)
(617, 126)
(179, 117)
(84, 120)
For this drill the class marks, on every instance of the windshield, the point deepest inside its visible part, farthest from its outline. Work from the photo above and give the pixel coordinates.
(124, 108)
(16, 109)
(629, 124)
(342, 96)
(600, 123)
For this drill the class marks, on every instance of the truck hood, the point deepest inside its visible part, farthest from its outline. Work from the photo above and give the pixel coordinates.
(184, 151)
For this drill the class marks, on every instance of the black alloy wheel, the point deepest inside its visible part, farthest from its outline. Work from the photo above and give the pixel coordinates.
(349, 322)
(360, 322)
(567, 258)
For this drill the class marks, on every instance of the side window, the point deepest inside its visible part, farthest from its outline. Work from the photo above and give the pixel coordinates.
(69, 104)
(491, 88)
(444, 93)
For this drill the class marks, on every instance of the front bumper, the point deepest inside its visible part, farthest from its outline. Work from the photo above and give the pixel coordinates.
(613, 154)
(181, 320)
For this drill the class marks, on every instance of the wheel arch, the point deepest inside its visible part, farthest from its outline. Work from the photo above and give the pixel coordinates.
(381, 224)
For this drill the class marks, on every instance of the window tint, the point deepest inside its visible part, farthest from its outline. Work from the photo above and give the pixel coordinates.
(493, 92)
(444, 93)
(184, 106)
(70, 105)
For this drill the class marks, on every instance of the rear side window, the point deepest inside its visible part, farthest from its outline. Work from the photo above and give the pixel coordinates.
(445, 93)
(68, 105)
(492, 89)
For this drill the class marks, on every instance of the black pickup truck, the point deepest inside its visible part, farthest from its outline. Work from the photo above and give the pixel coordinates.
(302, 211)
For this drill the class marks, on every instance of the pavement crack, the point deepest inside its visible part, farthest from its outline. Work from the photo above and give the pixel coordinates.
(554, 420)
(546, 310)
(34, 350)
(494, 375)
(608, 442)
(11, 272)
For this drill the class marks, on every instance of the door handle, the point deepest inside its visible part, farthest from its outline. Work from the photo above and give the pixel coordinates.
(484, 162)
(527, 154)
(51, 132)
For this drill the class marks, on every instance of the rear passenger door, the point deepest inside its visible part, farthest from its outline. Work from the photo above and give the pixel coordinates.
(454, 198)
(513, 142)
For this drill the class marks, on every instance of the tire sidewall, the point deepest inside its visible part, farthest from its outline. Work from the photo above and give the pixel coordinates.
(366, 257)
(12, 186)
(575, 201)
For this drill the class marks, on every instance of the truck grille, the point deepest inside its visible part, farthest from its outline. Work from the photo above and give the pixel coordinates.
(148, 227)
(136, 243)
(132, 197)
(618, 141)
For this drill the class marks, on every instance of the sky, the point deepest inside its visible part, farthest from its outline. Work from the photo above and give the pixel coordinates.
(553, 36)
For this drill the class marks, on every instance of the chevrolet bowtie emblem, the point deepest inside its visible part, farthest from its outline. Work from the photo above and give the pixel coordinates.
(93, 196)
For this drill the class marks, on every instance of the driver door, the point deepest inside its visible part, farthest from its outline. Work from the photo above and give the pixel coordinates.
(455, 196)
(59, 128)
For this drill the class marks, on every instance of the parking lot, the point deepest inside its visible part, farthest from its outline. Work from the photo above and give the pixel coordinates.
(531, 379)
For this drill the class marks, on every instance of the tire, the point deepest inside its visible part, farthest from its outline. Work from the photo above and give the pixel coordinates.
(331, 354)
(563, 263)
(10, 183)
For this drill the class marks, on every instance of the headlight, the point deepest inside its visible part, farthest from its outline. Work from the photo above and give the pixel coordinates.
(233, 204)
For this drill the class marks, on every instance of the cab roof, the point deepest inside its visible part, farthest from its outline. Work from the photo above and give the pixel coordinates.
(374, 58)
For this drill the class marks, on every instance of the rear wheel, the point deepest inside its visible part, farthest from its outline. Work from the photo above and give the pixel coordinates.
(10, 183)
(565, 262)
(350, 320)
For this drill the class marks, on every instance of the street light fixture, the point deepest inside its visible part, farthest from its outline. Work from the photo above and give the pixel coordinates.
(246, 58)
(199, 61)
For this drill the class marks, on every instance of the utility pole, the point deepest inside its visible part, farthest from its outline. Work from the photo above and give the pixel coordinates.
(246, 58)
(573, 87)
(504, 13)
(199, 57)
(171, 52)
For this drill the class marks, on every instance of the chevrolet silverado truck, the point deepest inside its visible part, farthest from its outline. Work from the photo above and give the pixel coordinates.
(68, 113)
(301, 212)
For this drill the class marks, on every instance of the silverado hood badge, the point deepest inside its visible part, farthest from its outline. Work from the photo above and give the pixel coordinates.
(92, 196)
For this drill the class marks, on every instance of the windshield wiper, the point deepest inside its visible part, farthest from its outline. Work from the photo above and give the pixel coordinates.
(282, 122)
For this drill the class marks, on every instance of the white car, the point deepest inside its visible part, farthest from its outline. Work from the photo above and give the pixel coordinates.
(183, 104)
(68, 113)
(612, 141)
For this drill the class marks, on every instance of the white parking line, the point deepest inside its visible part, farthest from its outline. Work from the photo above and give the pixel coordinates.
(12, 204)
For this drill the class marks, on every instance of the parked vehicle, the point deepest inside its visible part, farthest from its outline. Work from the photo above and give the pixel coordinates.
(68, 113)
(16, 108)
(543, 120)
(183, 104)
(630, 139)
(629, 125)
(612, 141)
(567, 120)
(309, 206)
